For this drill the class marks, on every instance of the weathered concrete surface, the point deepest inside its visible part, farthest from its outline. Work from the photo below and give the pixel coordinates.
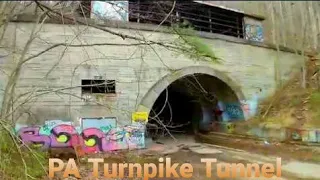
(303, 170)
(291, 169)
(270, 131)
(245, 67)
(286, 13)
(288, 24)
(186, 146)
(204, 150)
(171, 148)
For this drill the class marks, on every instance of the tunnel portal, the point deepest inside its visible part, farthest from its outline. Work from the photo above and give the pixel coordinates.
(189, 105)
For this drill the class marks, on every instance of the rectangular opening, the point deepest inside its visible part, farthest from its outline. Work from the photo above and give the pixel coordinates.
(212, 19)
(98, 86)
(201, 17)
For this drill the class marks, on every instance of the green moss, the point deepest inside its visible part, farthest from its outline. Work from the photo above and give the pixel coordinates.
(192, 45)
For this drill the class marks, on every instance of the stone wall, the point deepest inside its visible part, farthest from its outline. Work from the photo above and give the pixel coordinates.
(136, 69)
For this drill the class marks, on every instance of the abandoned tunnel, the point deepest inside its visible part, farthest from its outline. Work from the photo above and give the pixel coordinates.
(189, 105)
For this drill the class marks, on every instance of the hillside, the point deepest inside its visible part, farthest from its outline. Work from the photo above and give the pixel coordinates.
(292, 105)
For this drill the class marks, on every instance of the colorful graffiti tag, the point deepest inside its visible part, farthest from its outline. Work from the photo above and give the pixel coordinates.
(244, 109)
(231, 111)
(254, 32)
(112, 10)
(249, 108)
(94, 135)
(305, 135)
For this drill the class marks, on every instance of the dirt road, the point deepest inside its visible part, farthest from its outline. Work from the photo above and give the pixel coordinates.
(186, 150)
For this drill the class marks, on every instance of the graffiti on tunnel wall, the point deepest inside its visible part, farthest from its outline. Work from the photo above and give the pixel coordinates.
(238, 111)
(94, 135)
(254, 32)
(244, 109)
(233, 111)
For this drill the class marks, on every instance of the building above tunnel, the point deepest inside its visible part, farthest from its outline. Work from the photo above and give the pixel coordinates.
(276, 23)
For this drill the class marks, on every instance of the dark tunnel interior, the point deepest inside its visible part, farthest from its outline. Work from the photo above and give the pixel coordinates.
(188, 105)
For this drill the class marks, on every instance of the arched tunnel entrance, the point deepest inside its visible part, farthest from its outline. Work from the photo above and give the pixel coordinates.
(189, 104)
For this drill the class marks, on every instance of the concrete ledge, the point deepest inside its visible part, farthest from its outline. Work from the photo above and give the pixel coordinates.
(150, 27)
(269, 132)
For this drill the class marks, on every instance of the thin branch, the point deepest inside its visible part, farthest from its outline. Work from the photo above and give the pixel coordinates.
(82, 45)
(122, 35)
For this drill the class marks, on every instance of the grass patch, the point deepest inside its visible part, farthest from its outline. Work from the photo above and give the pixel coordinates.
(131, 157)
(315, 100)
(314, 109)
(17, 163)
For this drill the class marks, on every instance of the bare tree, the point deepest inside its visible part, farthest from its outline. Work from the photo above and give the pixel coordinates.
(17, 102)
(14, 101)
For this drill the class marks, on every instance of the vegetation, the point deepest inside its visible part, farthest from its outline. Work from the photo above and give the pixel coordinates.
(314, 108)
(293, 105)
(29, 162)
(194, 46)
(20, 163)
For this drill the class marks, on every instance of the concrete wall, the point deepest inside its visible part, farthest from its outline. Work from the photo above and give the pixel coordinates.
(284, 20)
(136, 69)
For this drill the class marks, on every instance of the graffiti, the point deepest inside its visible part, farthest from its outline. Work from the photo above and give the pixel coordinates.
(297, 134)
(30, 135)
(238, 111)
(49, 125)
(245, 106)
(254, 32)
(104, 124)
(112, 10)
(312, 136)
(91, 139)
(233, 111)
(303, 135)
(230, 127)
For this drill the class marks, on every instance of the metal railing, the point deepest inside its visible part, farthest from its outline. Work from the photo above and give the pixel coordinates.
(200, 16)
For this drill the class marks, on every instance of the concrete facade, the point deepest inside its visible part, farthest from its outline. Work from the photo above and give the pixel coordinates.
(282, 20)
(141, 72)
